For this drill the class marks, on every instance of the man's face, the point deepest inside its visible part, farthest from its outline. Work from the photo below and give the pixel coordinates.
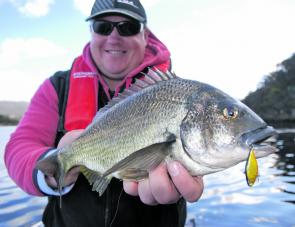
(117, 55)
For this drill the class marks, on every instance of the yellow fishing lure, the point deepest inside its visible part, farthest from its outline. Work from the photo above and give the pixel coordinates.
(251, 169)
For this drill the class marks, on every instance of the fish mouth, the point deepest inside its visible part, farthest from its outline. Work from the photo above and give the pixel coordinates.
(258, 140)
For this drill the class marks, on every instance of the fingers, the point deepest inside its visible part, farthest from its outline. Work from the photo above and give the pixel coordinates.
(157, 189)
(141, 189)
(71, 176)
(166, 185)
(191, 188)
(162, 187)
(50, 181)
(145, 193)
(131, 187)
(69, 137)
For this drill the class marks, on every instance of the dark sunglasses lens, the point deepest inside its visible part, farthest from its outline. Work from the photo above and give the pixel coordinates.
(102, 27)
(128, 28)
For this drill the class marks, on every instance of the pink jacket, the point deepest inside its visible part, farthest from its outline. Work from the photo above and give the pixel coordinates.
(35, 133)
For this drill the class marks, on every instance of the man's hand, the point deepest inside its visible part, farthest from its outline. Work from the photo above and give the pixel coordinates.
(72, 174)
(69, 179)
(166, 184)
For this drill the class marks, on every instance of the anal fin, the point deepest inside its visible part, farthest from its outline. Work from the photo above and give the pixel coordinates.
(99, 183)
(134, 167)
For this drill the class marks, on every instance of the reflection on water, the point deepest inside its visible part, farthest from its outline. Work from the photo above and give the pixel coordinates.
(286, 163)
(16, 207)
(227, 200)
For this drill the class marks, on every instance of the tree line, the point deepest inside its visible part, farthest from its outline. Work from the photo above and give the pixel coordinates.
(274, 99)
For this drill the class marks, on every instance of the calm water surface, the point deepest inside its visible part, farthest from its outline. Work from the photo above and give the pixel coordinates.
(16, 207)
(227, 200)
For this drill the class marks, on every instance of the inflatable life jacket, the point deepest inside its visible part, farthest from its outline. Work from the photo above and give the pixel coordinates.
(82, 96)
(77, 91)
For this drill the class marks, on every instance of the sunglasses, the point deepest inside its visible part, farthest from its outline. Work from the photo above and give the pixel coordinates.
(124, 28)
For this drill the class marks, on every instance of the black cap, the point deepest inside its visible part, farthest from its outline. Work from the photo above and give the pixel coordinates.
(130, 8)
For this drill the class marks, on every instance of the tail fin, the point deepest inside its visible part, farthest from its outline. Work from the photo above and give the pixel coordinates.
(51, 166)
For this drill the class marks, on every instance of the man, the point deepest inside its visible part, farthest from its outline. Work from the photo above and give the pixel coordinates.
(121, 47)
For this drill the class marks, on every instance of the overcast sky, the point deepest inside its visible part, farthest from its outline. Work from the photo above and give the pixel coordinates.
(231, 44)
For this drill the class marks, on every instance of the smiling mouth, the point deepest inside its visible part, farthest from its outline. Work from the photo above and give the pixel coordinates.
(116, 52)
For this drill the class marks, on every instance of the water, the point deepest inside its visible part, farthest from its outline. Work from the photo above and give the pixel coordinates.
(226, 202)
(229, 202)
(16, 207)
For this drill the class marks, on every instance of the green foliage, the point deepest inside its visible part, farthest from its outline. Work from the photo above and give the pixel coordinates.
(275, 98)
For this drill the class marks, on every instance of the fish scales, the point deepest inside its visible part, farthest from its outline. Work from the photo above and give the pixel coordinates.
(117, 131)
(162, 119)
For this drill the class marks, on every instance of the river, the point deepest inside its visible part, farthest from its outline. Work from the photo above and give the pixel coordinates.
(226, 202)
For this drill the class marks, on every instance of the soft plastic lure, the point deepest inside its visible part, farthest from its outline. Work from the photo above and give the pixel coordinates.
(251, 168)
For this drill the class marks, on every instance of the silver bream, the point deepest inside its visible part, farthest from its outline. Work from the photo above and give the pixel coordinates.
(162, 118)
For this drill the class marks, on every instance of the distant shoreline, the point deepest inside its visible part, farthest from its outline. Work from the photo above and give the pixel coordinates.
(6, 124)
(7, 121)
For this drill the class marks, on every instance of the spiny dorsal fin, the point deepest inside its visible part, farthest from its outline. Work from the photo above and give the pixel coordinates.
(151, 78)
(161, 76)
(156, 76)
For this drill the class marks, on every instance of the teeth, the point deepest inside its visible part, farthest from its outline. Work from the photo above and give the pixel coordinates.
(116, 51)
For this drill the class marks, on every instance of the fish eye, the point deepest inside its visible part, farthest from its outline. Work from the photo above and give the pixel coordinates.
(230, 113)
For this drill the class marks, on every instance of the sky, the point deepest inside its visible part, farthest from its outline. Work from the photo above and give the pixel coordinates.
(230, 44)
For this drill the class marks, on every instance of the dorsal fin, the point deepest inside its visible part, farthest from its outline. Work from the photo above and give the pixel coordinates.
(151, 78)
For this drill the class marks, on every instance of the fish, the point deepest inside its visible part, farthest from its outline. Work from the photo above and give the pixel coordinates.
(251, 169)
(158, 119)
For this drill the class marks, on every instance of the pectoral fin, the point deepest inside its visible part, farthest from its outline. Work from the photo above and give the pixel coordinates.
(133, 167)
(137, 165)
